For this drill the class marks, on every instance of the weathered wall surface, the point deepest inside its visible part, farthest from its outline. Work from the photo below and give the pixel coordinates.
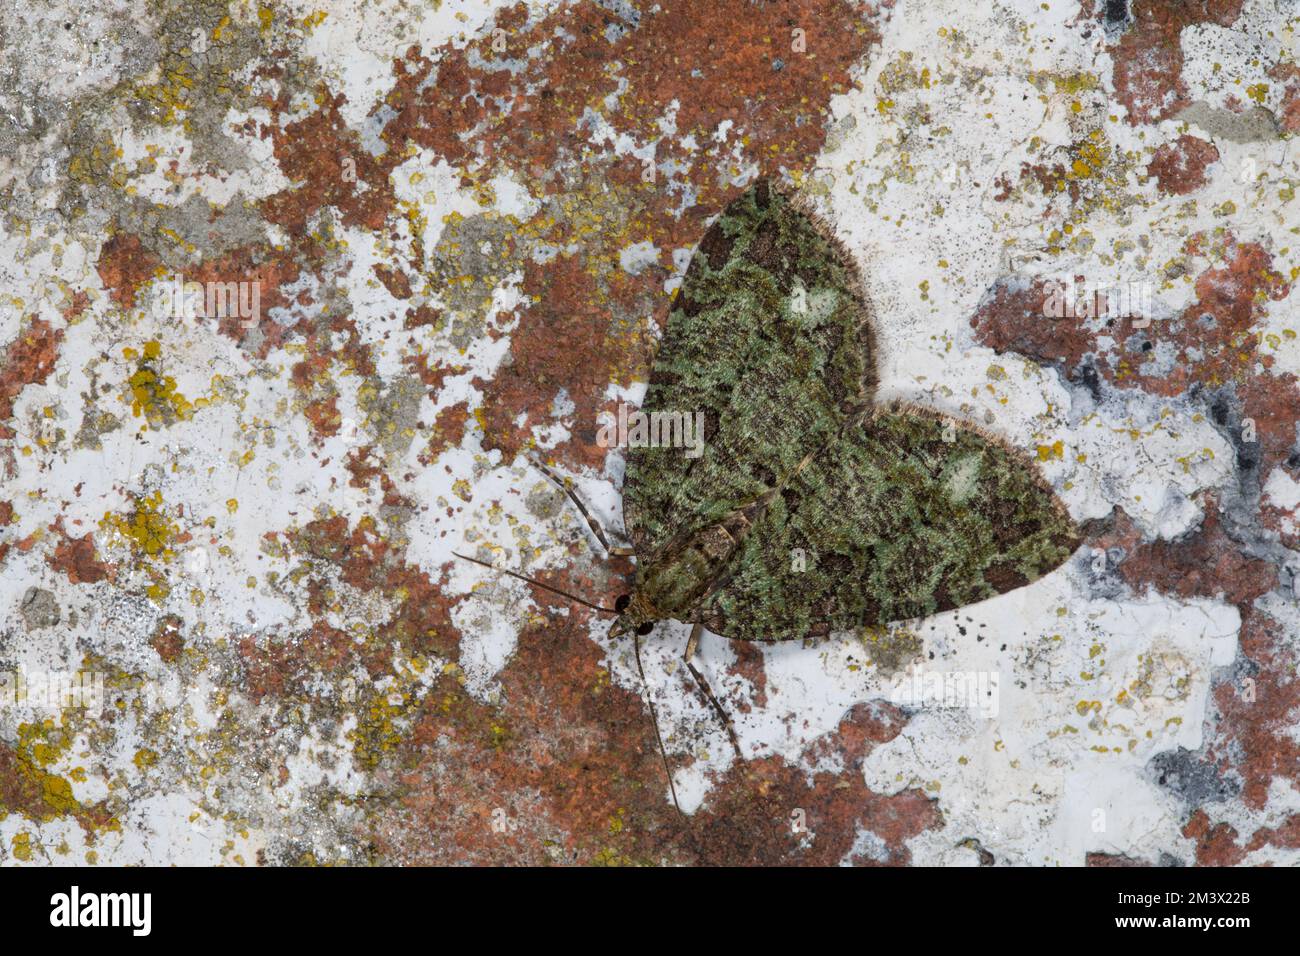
(463, 223)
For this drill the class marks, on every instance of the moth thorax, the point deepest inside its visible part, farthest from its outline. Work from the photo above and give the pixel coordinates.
(715, 542)
(674, 582)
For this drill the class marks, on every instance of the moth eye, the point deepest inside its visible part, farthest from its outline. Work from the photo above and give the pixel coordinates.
(645, 628)
(622, 602)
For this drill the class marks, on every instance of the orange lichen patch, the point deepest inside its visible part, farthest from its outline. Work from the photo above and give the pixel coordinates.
(167, 639)
(329, 167)
(447, 432)
(1149, 57)
(1204, 562)
(771, 73)
(1212, 342)
(432, 376)
(1216, 844)
(1253, 736)
(292, 668)
(395, 281)
(1229, 301)
(1179, 166)
(750, 73)
(364, 469)
(1113, 860)
(1288, 74)
(272, 269)
(1014, 318)
(124, 265)
(1286, 836)
(367, 561)
(423, 315)
(332, 346)
(324, 416)
(77, 305)
(749, 665)
(1272, 402)
(76, 557)
(562, 341)
(27, 360)
(1252, 739)
(566, 769)
(750, 821)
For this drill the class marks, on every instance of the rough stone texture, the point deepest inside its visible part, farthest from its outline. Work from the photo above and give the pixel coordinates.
(466, 221)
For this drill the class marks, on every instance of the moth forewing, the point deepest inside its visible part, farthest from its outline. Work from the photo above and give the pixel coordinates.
(769, 345)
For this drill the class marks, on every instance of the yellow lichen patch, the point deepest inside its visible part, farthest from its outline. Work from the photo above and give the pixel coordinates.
(40, 745)
(378, 731)
(1067, 84)
(147, 527)
(154, 395)
(170, 96)
(1049, 452)
(21, 845)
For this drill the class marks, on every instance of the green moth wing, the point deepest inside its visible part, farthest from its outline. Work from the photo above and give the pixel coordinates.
(911, 513)
(769, 342)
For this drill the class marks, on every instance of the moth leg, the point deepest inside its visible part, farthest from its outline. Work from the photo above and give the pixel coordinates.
(693, 645)
(592, 523)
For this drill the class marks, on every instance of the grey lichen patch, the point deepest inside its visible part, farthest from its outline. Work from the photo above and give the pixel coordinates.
(185, 67)
(195, 229)
(473, 256)
(1255, 125)
(95, 423)
(891, 649)
(544, 501)
(393, 412)
(39, 608)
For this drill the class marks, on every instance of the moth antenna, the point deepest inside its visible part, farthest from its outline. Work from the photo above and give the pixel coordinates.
(654, 719)
(544, 587)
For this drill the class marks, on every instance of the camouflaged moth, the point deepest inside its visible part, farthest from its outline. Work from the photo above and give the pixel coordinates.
(811, 508)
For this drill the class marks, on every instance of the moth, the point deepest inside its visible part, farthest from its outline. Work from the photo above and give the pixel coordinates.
(811, 507)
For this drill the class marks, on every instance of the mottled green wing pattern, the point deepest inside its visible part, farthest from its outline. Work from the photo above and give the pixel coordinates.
(893, 523)
(770, 339)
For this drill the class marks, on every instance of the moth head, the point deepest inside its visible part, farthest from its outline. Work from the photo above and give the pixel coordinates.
(634, 616)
